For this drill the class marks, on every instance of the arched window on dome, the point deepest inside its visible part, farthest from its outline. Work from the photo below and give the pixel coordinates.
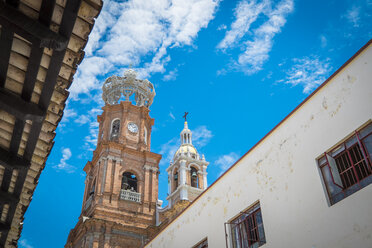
(129, 182)
(115, 129)
(194, 177)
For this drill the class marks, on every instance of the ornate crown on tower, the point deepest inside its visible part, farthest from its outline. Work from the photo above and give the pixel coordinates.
(115, 87)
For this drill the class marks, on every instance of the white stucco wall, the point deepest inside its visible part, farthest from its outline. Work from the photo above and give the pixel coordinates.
(282, 173)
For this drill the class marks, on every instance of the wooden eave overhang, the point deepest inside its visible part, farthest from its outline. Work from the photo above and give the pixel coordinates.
(41, 45)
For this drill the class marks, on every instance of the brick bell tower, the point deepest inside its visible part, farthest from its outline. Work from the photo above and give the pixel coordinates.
(121, 185)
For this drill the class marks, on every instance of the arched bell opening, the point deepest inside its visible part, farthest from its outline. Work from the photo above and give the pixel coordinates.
(115, 129)
(194, 177)
(129, 182)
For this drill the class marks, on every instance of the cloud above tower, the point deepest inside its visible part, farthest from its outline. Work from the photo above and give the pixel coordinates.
(255, 43)
(139, 34)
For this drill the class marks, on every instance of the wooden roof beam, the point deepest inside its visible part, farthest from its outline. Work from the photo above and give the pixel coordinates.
(6, 197)
(15, 105)
(12, 161)
(4, 227)
(30, 29)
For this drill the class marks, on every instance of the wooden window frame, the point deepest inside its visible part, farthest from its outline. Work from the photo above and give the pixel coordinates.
(245, 229)
(349, 171)
(202, 244)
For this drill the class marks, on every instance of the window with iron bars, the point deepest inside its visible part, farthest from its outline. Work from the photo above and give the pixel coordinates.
(247, 229)
(347, 168)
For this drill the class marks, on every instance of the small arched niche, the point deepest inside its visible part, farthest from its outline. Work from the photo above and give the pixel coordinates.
(129, 182)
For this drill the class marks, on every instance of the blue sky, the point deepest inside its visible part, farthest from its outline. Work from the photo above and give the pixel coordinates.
(238, 68)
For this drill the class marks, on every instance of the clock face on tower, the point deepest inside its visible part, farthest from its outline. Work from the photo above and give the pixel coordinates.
(132, 127)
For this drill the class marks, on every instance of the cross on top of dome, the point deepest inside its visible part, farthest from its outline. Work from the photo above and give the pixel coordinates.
(139, 92)
(185, 116)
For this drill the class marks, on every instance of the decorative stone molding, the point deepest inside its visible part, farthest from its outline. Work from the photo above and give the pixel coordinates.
(149, 167)
(102, 159)
(117, 159)
(115, 87)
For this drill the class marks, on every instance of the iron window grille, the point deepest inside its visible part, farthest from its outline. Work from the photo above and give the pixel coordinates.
(247, 230)
(347, 168)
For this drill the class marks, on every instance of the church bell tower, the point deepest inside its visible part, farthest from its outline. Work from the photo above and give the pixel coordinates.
(187, 173)
(121, 185)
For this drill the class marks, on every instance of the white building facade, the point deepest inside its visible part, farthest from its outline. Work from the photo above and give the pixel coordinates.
(305, 184)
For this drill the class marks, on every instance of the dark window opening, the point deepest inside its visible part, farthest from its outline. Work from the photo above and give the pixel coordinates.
(347, 168)
(129, 182)
(247, 229)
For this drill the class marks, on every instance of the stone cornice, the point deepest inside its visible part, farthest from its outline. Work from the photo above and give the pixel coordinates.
(105, 147)
(117, 159)
(190, 160)
(149, 167)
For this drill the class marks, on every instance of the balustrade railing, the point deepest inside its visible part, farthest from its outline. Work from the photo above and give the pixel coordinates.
(130, 195)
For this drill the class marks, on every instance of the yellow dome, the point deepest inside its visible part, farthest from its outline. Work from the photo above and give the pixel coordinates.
(183, 149)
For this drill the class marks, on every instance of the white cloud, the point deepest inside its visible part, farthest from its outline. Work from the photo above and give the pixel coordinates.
(86, 76)
(257, 48)
(225, 161)
(353, 16)
(308, 72)
(63, 165)
(82, 119)
(129, 32)
(245, 14)
(168, 150)
(67, 114)
(222, 27)
(200, 138)
(24, 244)
(172, 116)
(171, 76)
(92, 138)
(323, 41)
